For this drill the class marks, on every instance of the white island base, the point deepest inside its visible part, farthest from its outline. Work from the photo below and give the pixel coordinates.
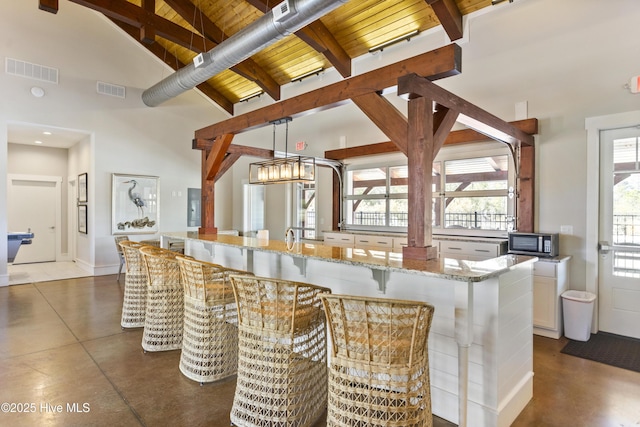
(480, 343)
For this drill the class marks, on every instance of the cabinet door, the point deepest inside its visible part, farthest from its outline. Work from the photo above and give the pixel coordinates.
(545, 302)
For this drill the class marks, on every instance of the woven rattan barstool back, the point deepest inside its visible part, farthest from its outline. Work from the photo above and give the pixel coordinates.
(282, 363)
(135, 286)
(164, 314)
(379, 365)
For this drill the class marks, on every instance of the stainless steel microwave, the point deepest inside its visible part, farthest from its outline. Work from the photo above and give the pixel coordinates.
(534, 244)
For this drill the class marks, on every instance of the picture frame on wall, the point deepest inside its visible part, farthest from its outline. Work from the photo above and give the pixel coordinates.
(82, 219)
(135, 204)
(82, 188)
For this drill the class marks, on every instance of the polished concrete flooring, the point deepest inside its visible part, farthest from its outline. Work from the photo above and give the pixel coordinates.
(65, 361)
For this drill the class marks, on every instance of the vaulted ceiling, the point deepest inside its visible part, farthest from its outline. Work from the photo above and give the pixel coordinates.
(178, 30)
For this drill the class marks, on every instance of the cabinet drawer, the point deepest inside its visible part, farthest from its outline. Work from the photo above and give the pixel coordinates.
(488, 250)
(382, 242)
(544, 269)
(338, 239)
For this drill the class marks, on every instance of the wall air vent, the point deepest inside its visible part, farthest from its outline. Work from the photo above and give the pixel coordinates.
(283, 11)
(110, 89)
(32, 71)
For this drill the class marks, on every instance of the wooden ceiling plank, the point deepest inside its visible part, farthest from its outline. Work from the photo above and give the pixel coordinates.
(385, 116)
(50, 6)
(435, 64)
(173, 62)
(216, 156)
(318, 36)
(469, 114)
(463, 136)
(449, 16)
(248, 68)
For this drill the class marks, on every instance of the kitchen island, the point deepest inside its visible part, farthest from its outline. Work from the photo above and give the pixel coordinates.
(481, 342)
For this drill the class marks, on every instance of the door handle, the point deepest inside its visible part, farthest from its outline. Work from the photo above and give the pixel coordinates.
(604, 247)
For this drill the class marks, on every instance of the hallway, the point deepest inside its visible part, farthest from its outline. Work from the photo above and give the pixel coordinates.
(65, 359)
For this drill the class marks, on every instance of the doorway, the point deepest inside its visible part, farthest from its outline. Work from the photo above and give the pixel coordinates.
(33, 203)
(619, 232)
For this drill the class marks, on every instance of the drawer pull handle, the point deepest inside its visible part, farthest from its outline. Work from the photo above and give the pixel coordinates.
(382, 243)
(483, 250)
(454, 248)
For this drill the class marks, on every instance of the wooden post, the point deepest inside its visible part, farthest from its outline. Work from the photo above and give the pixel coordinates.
(207, 205)
(419, 163)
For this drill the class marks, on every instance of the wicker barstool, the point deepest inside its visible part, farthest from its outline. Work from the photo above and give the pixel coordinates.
(282, 355)
(119, 239)
(379, 364)
(164, 314)
(210, 338)
(135, 286)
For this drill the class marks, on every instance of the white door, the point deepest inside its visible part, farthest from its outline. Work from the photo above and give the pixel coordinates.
(32, 205)
(619, 265)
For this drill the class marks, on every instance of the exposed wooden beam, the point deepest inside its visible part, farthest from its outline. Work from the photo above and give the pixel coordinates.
(436, 64)
(385, 116)
(147, 30)
(469, 114)
(449, 16)
(48, 6)
(248, 68)
(464, 136)
(318, 36)
(176, 64)
(226, 164)
(216, 155)
(444, 119)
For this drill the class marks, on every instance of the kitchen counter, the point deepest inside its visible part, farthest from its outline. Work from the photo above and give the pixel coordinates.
(480, 343)
(449, 268)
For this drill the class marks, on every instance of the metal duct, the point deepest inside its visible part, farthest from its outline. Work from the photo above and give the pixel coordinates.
(284, 19)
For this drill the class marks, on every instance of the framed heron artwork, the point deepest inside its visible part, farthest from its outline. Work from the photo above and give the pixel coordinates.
(135, 205)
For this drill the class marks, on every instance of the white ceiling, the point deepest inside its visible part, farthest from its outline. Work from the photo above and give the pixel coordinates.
(26, 133)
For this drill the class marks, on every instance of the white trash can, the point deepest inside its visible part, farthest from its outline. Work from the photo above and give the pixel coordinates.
(577, 307)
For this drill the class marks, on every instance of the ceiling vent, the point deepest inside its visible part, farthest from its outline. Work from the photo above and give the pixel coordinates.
(110, 89)
(32, 71)
(282, 11)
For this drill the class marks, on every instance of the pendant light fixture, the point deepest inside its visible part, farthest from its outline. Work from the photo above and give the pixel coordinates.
(283, 169)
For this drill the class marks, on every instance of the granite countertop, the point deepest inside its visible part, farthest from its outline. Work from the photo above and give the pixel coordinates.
(449, 268)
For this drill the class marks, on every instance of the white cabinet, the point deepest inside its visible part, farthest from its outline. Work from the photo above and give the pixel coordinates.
(550, 280)
(470, 250)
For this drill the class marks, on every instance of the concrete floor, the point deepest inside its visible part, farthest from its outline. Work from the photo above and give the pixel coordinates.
(65, 361)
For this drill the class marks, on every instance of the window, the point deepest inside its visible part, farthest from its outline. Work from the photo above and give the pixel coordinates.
(376, 197)
(305, 209)
(473, 193)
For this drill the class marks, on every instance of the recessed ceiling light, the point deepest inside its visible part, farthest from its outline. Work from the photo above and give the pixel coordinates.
(38, 92)
(46, 132)
(38, 142)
